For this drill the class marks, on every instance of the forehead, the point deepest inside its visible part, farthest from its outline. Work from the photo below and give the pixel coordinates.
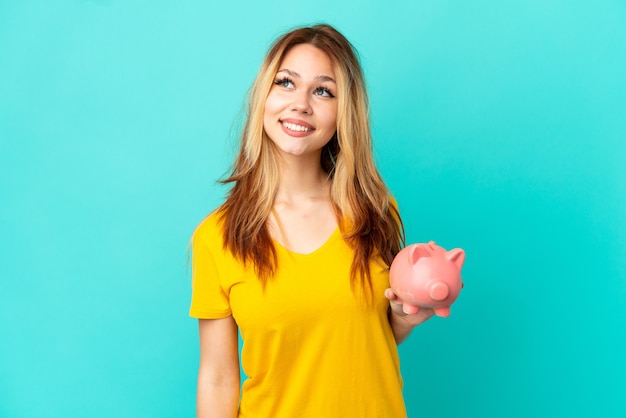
(307, 60)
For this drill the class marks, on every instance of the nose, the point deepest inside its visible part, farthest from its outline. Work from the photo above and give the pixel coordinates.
(301, 102)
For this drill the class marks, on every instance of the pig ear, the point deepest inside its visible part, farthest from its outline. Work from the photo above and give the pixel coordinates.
(457, 256)
(416, 252)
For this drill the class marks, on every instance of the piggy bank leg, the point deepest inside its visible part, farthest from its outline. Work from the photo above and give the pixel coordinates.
(410, 309)
(443, 312)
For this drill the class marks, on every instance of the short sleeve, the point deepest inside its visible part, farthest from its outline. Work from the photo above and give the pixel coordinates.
(208, 298)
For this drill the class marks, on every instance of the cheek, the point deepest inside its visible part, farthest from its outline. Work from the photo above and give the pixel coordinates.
(269, 114)
(272, 104)
(331, 118)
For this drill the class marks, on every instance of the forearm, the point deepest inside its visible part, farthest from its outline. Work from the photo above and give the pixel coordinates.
(402, 323)
(401, 329)
(217, 400)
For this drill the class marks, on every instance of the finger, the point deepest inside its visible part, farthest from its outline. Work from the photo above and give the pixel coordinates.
(391, 295)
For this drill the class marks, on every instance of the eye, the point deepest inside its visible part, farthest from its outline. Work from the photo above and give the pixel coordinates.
(284, 82)
(324, 92)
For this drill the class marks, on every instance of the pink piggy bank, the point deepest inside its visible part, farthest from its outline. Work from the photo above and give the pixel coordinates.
(427, 276)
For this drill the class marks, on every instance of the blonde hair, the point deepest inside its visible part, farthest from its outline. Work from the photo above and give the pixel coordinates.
(369, 223)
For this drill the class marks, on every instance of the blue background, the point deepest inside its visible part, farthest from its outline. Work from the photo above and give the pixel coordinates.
(499, 125)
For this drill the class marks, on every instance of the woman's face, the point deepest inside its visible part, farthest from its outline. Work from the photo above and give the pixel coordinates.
(301, 109)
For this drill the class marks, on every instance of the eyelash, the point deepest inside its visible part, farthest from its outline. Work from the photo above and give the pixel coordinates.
(284, 80)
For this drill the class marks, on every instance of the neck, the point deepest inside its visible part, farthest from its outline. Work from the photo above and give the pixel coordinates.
(302, 178)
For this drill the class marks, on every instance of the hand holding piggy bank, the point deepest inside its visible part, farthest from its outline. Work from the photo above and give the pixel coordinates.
(427, 276)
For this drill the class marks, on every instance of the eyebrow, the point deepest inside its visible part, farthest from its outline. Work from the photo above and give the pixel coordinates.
(320, 77)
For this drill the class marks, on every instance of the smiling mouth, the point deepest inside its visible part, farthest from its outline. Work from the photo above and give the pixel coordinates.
(296, 128)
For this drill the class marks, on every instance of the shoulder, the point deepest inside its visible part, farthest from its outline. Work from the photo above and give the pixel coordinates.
(210, 228)
(393, 203)
(393, 208)
(393, 213)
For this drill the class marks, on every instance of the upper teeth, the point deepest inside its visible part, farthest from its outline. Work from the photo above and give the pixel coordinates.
(298, 128)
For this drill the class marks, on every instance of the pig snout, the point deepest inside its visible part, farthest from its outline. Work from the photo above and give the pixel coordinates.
(439, 291)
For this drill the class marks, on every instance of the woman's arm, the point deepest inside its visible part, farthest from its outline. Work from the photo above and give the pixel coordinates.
(218, 375)
(402, 323)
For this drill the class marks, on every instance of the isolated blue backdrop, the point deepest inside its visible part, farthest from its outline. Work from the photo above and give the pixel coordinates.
(499, 125)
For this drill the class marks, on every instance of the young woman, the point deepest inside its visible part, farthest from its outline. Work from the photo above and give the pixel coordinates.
(296, 259)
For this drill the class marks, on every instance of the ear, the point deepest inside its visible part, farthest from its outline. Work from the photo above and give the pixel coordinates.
(417, 251)
(457, 256)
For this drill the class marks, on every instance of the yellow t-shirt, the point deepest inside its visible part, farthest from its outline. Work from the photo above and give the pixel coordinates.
(311, 347)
